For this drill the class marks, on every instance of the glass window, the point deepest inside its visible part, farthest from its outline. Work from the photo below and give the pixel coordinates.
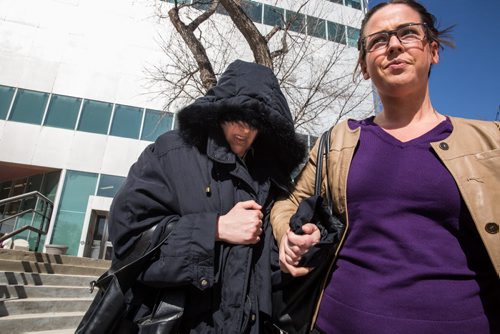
(6, 94)
(337, 1)
(253, 10)
(156, 123)
(109, 185)
(202, 5)
(352, 36)
(78, 186)
(297, 21)
(274, 16)
(221, 10)
(95, 116)
(336, 32)
(316, 27)
(356, 4)
(126, 121)
(29, 106)
(180, 2)
(63, 111)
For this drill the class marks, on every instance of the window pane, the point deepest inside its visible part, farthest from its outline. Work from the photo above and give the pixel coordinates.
(29, 106)
(126, 121)
(63, 111)
(353, 3)
(316, 27)
(337, 1)
(95, 116)
(336, 32)
(109, 185)
(202, 5)
(352, 36)
(253, 10)
(78, 186)
(221, 10)
(297, 21)
(273, 16)
(156, 123)
(6, 94)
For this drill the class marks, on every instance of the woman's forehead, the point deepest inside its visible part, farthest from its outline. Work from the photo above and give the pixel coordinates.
(390, 17)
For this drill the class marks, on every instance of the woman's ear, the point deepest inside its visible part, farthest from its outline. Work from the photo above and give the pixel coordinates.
(364, 71)
(434, 53)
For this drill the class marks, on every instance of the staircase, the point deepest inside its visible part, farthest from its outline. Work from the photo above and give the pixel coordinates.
(44, 293)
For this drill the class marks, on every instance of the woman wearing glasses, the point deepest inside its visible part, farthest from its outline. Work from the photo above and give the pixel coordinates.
(418, 192)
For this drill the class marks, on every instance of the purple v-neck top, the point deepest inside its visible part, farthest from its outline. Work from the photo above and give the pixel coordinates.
(412, 261)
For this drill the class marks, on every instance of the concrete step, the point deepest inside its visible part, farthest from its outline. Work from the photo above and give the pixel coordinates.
(11, 254)
(21, 278)
(56, 331)
(44, 305)
(30, 322)
(49, 268)
(41, 291)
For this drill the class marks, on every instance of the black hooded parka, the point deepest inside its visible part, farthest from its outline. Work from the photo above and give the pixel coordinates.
(190, 175)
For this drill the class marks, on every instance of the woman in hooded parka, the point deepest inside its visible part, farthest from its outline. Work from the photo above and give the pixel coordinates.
(216, 175)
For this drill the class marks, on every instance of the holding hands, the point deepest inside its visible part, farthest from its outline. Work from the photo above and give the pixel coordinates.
(293, 246)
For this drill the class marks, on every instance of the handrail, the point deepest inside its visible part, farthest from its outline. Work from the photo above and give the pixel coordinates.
(47, 207)
(22, 196)
(17, 215)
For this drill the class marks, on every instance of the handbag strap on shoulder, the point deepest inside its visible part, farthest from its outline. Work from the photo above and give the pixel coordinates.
(323, 150)
(130, 267)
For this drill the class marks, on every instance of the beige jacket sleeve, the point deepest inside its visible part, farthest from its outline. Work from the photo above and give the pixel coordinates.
(284, 208)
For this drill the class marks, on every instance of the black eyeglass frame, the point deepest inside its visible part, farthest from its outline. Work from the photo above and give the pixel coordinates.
(394, 32)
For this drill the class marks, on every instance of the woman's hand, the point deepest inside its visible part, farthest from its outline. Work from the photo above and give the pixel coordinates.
(293, 246)
(242, 225)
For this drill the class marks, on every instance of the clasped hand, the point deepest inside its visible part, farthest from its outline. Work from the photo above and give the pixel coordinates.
(293, 246)
(242, 225)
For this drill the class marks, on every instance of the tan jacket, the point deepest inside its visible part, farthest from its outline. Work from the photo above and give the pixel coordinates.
(471, 154)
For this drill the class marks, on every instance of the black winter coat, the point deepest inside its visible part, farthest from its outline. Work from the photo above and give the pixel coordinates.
(192, 176)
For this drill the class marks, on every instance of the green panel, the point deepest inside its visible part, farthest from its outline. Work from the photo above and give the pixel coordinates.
(126, 121)
(109, 185)
(352, 36)
(156, 123)
(356, 4)
(50, 183)
(63, 111)
(336, 32)
(6, 94)
(29, 106)
(274, 16)
(253, 10)
(202, 5)
(95, 116)
(69, 230)
(298, 21)
(78, 186)
(316, 27)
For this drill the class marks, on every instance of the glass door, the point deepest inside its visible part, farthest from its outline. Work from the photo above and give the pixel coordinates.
(100, 246)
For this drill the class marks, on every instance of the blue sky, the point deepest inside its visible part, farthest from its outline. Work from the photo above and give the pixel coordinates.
(466, 82)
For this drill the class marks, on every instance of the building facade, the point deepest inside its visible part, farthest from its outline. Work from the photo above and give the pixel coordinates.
(77, 109)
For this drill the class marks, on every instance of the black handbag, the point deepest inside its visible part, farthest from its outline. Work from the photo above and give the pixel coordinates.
(295, 299)
(114, 308)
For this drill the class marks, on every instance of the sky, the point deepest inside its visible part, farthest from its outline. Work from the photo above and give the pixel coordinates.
(466, 82)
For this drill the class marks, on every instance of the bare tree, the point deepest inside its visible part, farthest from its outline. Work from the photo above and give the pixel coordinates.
(312, 72)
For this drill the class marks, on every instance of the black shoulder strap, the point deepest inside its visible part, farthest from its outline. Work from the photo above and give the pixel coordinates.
(130, 268)
(323, 150)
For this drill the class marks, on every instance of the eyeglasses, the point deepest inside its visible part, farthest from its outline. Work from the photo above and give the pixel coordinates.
(407, 34)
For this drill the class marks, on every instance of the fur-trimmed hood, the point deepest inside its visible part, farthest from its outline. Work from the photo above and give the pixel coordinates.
(248, 92)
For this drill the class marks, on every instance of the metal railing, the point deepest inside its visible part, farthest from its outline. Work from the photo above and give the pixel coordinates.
(42, 208)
